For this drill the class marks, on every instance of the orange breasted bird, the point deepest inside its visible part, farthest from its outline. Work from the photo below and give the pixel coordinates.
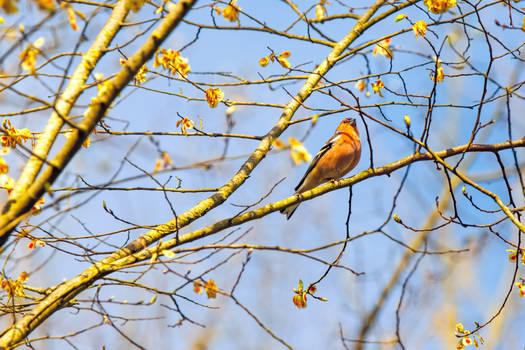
(337, 157)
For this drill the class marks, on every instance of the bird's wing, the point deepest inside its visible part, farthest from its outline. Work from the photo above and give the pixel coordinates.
(317, 157)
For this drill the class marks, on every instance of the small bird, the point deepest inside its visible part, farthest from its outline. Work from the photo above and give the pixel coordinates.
(337, 157)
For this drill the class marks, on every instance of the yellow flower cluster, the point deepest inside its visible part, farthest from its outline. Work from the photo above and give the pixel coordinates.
(230, 12)
(48, 5)
(299, 299)
(135, 5)
(466, 338)
(377, 86)
(15, 288)
(28, 55)
(185, 123)
(383, 49)
(281, 58)
(210, 288)
(12, 136)
(419, 28)
(214, 96)
(320, 9)
(298, 152)
(439, 6)
(173, 61)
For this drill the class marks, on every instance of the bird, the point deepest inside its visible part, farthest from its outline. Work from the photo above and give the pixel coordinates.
(339, 155)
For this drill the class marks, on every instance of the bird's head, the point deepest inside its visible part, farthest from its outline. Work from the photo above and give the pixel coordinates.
(347, 125)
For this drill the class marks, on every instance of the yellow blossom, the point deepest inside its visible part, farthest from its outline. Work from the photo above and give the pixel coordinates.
(439, 76)
(197, 287)
(466, 341)
(282, 58)
(48, 5)
(383, 49)
(158, 165)
(513, 255)
(439, 6)
(211, 289)
(135, 5)
(263, 62)
(360, 85)
(15, 288)
(459, 328)
(298, 152)
(185, 123)
(419, 28)
(35, 243)
(28, 58)
(377, 86)
(37, 206)
(71, 15)
(11, 136)
(320, 10)
(278, 144)
(28, 55)
(299, 300)
(214, 96)
(440, 72)
(231, 12)
(173, 61)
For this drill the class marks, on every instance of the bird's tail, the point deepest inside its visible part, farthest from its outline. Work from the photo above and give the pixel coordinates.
(288, 211)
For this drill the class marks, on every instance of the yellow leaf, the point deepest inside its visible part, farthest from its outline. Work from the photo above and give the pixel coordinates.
(80, 14)
(407, 121)
(400, 17)
(263, 62)
(283, 62)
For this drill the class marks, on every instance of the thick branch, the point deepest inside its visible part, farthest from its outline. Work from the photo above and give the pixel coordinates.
(19, 202)
(62, 295)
